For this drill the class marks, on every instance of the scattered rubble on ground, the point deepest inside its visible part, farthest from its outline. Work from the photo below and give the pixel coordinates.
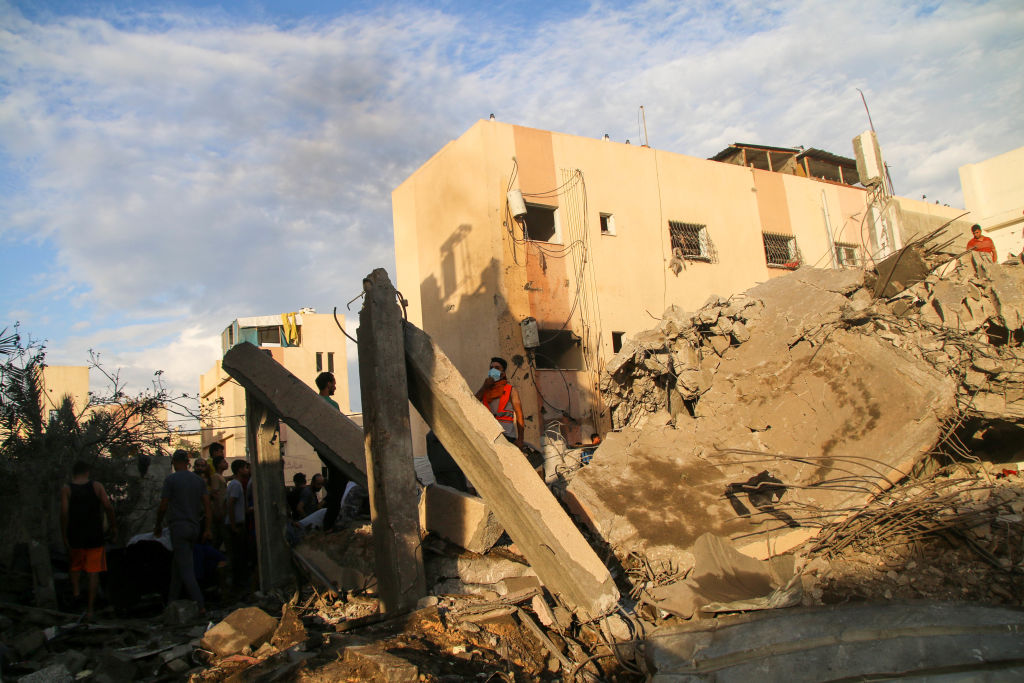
(778, 455)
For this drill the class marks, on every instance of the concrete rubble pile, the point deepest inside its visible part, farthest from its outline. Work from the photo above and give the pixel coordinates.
(768, 415)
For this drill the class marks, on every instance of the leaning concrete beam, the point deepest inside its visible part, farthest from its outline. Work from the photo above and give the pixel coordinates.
(337, 438)
(553, 546)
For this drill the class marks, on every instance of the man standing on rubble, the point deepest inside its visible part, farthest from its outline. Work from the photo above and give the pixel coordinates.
(82, 504)
(336, 480)
(502, 399)
(184, 501)
(983, 244)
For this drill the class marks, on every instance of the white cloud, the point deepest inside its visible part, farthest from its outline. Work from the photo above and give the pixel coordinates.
(200, 170)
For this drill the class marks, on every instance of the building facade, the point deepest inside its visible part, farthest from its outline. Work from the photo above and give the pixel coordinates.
(306, 343)
(994, 194)
(607, 237)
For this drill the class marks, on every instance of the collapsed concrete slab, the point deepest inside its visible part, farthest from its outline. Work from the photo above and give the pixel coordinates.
(793, 428)
(549, 540)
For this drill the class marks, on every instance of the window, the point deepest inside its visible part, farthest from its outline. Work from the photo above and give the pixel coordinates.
(617, 341)
(319, 362)
(847, 254)
(53, 416)
(330, 361)
(540, 224)
(268, 336)
(691, 241)
(559, 349)
(780, 251)
(607, 224)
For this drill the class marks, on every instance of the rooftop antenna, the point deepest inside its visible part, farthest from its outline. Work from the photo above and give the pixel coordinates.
(642, 133)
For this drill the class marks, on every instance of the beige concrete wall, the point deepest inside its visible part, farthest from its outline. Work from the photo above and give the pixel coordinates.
(994, 194)
(59, 381)
(917, 218)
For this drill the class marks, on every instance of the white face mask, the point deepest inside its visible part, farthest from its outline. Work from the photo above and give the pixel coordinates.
(494, 373)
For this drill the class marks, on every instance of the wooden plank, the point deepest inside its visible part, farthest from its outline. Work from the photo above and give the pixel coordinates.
(542, 530)
(336, 437)
(393, 489)
(269, 503)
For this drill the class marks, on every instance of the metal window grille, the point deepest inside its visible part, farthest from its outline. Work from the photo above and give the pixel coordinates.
(692, 242)
(847, 254)
(780, 251)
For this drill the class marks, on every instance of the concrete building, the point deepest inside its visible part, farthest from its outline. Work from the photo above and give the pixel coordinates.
(306, 343)
(59, 381)
(994, 194)
(605, 237)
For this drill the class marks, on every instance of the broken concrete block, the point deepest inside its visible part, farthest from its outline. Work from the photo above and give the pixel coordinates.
(178, 666)
(382, 666)
(460, 518)
(326, 571)
(29, 642)
(181, 613)
(720, 344)
(246, 627)
(518, 584)
(73, 660)
(290, 629)
(55, 673)
(480, 569)
(542, 609)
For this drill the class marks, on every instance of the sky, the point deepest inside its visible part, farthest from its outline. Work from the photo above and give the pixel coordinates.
(167, 167)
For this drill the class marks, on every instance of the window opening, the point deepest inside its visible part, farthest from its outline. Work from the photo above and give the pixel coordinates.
(559, 349)
(268, 336)
(617, 341)
(319, 361)
(692, 242)
(607, 224)
(540, 224)
(330, 361)
(847, 254)
(53, 416)
(780, 251)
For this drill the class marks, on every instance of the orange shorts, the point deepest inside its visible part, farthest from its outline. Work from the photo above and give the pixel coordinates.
(89, 560)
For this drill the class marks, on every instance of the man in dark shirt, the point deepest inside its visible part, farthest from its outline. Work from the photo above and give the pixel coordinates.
(336, 480)
(184, 501)
(82, 503)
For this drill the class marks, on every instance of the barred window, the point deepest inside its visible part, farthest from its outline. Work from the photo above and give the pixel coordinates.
(692, 242)
(847, 254)
(780, 251)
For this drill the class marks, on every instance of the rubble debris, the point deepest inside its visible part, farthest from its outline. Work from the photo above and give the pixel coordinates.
(725, 580)
(247, 627)
(381, 666)
(832, 398)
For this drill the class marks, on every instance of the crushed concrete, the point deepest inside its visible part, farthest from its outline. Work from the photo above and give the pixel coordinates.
(825, 398)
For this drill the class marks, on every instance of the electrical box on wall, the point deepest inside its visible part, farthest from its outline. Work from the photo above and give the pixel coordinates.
(531, 337)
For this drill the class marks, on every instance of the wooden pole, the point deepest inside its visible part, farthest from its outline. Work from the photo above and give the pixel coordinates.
(269, 502)
(388, 439)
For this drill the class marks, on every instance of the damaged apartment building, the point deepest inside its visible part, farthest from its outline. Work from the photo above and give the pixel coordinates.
(550, 249)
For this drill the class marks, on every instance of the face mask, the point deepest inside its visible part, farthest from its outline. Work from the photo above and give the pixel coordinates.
(494, 373)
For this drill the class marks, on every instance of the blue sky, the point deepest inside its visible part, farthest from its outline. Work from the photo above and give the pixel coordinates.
(166, 167)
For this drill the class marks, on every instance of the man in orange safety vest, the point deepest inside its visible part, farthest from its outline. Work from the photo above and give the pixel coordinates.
(502, 399)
